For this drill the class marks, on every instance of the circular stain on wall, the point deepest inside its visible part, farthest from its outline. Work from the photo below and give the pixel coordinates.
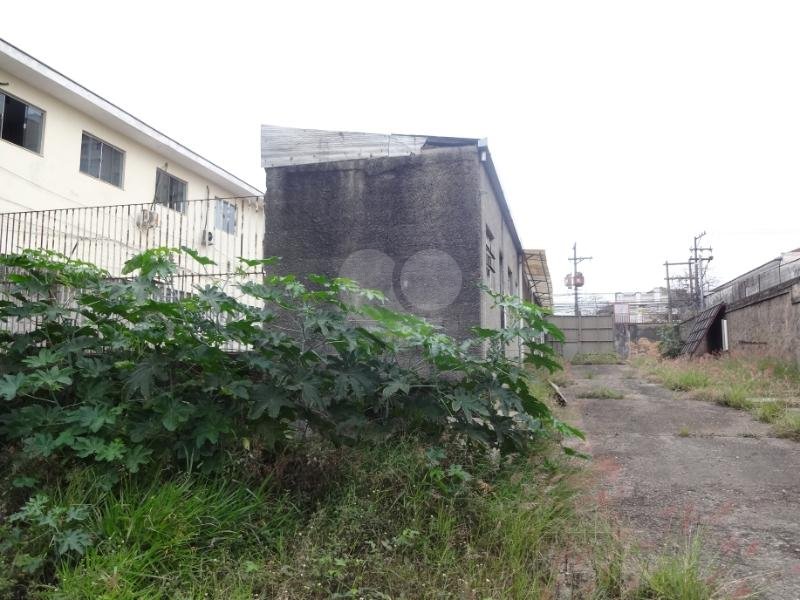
(430, 280)
(372, 269)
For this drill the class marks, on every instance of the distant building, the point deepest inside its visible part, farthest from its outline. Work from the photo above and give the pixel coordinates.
(641, 307)
(82, 176)
(422, 218)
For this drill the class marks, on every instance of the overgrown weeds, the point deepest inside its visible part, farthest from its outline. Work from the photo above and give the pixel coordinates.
(767, 387)
(679, 575)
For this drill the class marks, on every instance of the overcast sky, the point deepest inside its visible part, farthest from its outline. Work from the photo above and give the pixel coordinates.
(628, 127)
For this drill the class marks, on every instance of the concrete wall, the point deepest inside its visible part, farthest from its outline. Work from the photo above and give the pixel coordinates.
(584, 335)
(409, 226)
(768, 322)
(52, 179)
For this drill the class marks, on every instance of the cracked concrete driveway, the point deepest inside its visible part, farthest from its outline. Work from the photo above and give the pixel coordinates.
(667, 462)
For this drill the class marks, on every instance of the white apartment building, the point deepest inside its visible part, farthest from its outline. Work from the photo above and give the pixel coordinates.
(82, 176)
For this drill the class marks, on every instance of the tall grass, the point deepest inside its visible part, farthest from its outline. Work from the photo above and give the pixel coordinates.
(386, 520)
(167, 537)
(678, 576)
(378, 519)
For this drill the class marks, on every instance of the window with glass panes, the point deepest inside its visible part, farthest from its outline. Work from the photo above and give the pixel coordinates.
(225, 217)
(101, 160)
(170, 191)
(21, 123)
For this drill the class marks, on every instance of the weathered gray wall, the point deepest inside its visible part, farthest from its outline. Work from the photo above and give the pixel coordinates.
(409, 226)
(584, 335)
(768, 322)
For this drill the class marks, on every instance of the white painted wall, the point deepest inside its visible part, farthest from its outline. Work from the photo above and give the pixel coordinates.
(30, 181)
(52, 180)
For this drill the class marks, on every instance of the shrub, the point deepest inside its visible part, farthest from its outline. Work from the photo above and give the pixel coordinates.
(669, 344)
(112, 374)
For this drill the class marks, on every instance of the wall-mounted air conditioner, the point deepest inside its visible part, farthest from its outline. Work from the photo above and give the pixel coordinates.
(208, 237)
(147, 218)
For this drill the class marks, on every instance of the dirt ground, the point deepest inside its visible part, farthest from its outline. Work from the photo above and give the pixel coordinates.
(668, 464)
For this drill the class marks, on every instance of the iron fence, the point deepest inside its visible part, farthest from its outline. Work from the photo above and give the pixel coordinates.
(222, 229)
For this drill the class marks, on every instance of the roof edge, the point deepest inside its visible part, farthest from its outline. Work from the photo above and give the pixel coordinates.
(494, 179)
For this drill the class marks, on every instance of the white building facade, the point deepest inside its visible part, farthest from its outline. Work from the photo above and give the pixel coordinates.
(81, 176)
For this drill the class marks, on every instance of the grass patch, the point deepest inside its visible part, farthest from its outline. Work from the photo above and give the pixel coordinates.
(765, 386)
(685, 380)
(385, 520)
(388, 519)
(684, 432)
(596, 359)
(788, 425)
(169, 537)
(603, 393)
(678, 576)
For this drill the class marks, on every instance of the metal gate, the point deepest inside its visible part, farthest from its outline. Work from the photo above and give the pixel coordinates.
(584, 335)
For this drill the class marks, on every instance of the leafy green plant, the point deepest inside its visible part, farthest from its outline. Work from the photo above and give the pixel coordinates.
(107, 372)
(42, 531)
(669, 341)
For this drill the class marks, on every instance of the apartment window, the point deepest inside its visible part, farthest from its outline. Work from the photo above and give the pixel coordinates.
(500, 274)
(21, 123)
(101, 160)
(489, 253)
(225, 217)
(170, 191)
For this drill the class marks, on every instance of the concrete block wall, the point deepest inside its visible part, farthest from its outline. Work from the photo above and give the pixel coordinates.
(409, 226)
(768, 323)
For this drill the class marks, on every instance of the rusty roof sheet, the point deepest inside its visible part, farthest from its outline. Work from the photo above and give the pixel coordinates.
(700, 327)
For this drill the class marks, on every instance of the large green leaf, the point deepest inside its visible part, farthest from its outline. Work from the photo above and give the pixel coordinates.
(10, 385)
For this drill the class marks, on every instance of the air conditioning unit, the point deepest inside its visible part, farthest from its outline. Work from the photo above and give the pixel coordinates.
(147, 218)
(208, 238)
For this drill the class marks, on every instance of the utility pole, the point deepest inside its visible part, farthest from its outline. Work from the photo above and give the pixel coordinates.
(698, 259)
(575, 260)
(669, 295)
(679, 278)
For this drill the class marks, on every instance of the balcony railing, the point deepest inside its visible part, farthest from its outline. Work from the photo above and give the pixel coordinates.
(107, 236)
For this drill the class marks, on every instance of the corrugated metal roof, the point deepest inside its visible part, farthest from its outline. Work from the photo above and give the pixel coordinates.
(700, 328)
(539, 274)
